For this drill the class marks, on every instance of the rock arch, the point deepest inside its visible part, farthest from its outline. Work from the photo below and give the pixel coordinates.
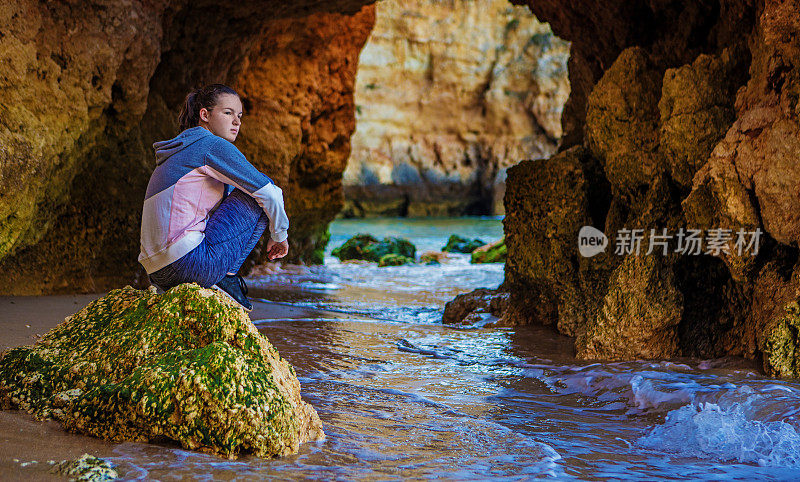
(87, 87)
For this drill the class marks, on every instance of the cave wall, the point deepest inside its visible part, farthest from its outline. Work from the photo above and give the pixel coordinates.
(682, 115)
(88, 87)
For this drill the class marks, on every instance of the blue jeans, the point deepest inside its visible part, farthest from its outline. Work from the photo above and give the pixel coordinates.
(232, 232)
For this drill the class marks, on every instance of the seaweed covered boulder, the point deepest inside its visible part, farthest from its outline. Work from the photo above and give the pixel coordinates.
(457, 244)
(392, 259)
(366, 247)
(491, 253)
(187, 365)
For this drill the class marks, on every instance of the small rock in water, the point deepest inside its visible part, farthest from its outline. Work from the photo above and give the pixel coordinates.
(366, 247)
(491, 253)
(433, 257)
(457, 244)
(392, 259)
(477, 308)
(86, 468)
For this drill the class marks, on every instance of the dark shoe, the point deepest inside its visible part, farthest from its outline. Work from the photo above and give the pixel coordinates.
(233, 286)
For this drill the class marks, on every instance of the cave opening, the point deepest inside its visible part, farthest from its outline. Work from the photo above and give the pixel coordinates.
(448, 95)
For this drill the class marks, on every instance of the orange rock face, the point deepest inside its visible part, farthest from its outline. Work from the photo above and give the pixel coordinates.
(88, 87)
(303, 116)
(691, 110)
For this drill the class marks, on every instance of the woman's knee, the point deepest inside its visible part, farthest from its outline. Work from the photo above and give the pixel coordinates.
(235, 217)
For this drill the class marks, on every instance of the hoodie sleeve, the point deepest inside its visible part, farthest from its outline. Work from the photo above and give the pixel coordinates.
(227, 164)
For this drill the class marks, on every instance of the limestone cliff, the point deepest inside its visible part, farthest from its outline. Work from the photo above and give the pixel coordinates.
(448, 96)
(86, 87)
(683, 115)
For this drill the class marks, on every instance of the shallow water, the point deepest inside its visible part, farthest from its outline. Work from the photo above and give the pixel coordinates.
(402, 396)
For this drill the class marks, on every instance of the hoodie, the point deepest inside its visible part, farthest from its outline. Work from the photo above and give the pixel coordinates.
(188, 183)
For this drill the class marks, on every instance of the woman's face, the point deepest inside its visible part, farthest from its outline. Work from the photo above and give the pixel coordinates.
(225, 118)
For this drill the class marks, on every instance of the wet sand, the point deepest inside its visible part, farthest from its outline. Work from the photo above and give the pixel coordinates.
(26, 445)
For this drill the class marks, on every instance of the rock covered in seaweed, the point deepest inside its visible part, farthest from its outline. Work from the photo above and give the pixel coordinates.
(187, 365)
(366, 247)
(86, 468)
(393, 259)
(457, 244)
(491, 253)
(781, 344)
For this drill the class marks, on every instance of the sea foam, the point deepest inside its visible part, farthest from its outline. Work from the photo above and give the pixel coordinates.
(727, 433)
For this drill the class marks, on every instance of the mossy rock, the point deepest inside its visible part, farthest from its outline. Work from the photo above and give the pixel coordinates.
(457, 244)
(366, 247)
(392, 259)
(317, 255)
(781, 344)
(491, 253)
(86, 468)
(187, 365)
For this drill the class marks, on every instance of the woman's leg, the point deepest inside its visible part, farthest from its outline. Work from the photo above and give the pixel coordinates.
(254, 212)
(231, 233)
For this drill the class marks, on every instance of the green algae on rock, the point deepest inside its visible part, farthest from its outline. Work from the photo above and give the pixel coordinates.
(366, 247)
(781, 344)
(393, 259)
(86, 468)
(457, 244)
(491, 253)
(187, 365)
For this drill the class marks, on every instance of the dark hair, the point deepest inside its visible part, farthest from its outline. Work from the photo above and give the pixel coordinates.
(204, 97)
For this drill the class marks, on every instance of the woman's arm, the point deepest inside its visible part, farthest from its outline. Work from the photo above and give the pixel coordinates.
(227, 164)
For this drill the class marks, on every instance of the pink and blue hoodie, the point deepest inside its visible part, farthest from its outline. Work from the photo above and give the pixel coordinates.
(188, 183)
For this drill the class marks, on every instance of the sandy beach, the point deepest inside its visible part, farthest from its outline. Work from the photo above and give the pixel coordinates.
(26, 445)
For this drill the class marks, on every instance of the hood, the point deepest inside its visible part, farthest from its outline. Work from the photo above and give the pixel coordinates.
(165, 149)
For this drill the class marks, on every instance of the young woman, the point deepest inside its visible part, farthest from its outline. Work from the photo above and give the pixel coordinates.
(206, 206)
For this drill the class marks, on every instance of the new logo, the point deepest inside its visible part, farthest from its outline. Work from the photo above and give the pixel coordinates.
(591, 241)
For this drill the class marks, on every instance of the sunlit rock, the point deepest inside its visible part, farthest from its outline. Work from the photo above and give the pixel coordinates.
(187, 366)
(449, 95)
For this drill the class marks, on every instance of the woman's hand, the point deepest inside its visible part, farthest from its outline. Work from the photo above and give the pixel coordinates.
(277, 250)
